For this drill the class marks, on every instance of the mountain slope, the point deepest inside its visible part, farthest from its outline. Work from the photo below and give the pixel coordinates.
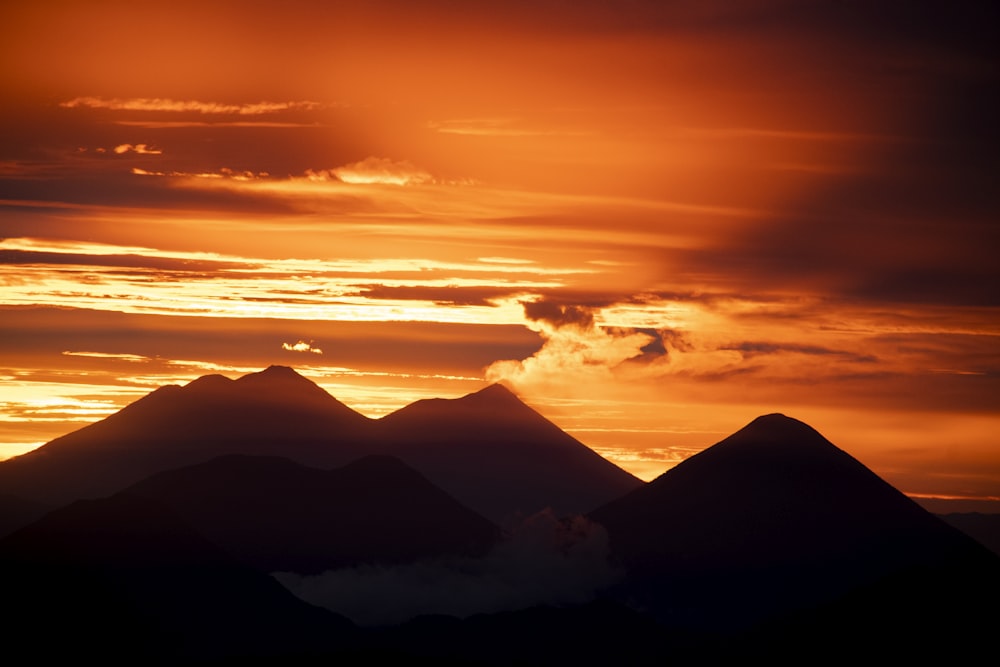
(274, 412)
(771, 519)
(277, 515)
(500, 457)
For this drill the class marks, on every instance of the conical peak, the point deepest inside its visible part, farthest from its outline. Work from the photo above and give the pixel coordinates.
(209, 382)
(494, 392)
(774, 441)
(493, 398)
(279, 378)
(776, 427)
(274, 373)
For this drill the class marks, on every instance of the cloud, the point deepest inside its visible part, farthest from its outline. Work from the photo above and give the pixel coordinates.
(448, 295)
(496, 127)
(378, 170)
(543, 561)
(575, 349)
(225, 173)
(35, 252)
(141, 149)
(301, 346)
(188, 106)
(754, 348)
(109, 355)
(558, 315)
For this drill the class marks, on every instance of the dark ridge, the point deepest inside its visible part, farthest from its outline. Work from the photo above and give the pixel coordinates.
(277, 515)
(984, 528)
(16, 512)
(213, 382)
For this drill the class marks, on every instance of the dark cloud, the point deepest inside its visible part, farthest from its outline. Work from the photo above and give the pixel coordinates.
(42, 334)
(921, 234)
(124, 261)
(444, 296)
(916, 219)
(655, 347)
(56, 154)
(754, 348)
(558, 315)
(119, 187)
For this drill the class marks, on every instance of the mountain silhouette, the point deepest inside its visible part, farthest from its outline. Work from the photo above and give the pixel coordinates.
(16, 512)
(488, 450)
(771, 544)
(274, 412)
(984, 528)
(125, 579)
(277, 515)
(774, 519)
(499, 456)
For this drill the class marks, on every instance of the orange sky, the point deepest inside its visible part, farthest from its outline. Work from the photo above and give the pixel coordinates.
(654, 221)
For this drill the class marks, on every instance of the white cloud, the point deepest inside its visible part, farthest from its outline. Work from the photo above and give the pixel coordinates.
(576, 351)
(381, 170)
(141, 149)
(301, 346)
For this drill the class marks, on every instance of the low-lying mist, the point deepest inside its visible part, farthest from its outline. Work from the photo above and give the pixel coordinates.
(543, 560)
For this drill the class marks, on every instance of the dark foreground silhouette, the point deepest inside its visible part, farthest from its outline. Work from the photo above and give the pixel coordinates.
(772, 544)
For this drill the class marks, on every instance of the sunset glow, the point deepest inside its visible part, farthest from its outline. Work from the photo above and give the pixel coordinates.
(652, 221)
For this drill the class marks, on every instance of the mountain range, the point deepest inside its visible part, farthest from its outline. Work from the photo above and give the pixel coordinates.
(169, 517)
(489, 450)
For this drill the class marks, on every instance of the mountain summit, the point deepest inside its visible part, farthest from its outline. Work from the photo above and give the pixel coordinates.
(275, 412)
(500, 456)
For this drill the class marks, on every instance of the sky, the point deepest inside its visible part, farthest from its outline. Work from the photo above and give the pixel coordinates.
(654, 221)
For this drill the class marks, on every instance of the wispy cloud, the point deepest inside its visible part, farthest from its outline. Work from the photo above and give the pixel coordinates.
(174, 124)
(376, 170)
(497, 127)
(224, 173)
(788, 134)
(188, 106)
(108, 355)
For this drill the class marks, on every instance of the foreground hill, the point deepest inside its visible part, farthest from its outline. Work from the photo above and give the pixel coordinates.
(775, 520)
(277, 515)
(125, 580)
